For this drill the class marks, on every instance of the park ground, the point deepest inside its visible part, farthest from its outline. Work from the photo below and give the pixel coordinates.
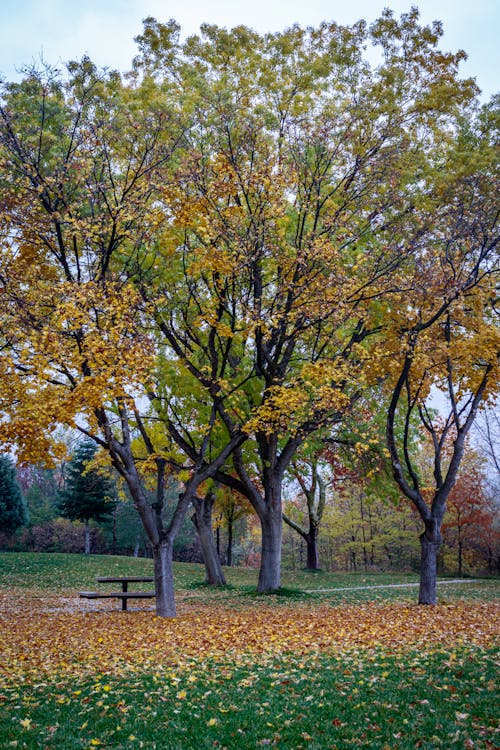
(333, 661)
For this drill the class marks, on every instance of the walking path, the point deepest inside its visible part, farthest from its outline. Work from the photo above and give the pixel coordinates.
(388, 586)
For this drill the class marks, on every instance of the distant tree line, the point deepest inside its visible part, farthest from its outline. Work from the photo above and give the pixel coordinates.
(336, 518)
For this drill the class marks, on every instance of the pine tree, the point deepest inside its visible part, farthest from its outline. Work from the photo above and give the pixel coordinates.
(88, 492)
(13, 511)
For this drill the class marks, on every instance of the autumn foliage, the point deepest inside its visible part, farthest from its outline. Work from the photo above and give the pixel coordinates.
(211, 261)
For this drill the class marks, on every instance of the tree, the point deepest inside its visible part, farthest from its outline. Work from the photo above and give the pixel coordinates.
(202, 520)
(231, 508)
(290, 213)
(223, 233)
(13, 511)
(40, 489)
(452, 344)
(314, 492)
(88, 493)
(80, 160)
(488, 430)
(469, 526)
(364, 530)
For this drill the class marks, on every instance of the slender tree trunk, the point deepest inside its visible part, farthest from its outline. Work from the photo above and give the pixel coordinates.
(430, 542)
(202, 520)
(270, 564)
(87, 538)
(363, 534)
(164, 578)
(229, 550)
(460, 548)
(114, 542)
(214, 575)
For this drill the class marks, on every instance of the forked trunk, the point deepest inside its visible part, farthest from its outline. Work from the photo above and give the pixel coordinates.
(164, 578)
(270, 564)
(430, 542)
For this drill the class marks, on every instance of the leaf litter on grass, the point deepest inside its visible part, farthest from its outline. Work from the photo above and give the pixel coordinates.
(294, 676)
(38, 643)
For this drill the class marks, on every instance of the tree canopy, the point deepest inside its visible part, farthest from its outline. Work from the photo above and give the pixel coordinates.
(209, 261)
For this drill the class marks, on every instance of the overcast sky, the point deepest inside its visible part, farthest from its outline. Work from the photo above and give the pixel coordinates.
(66, 29)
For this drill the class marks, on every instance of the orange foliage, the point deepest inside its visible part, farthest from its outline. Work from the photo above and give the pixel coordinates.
(68, 640)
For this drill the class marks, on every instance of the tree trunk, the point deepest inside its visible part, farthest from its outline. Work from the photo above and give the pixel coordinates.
(229, 549)
(114, 543)
(164, 578)
(87, 538)
(202, 520)
(270, 564)
(312, 549)
(460, 546)
(430, 542)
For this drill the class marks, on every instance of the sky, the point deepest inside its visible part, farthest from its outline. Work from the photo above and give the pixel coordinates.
(60, 30)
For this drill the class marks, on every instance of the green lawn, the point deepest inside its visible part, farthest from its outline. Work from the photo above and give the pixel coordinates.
(67, 574)
(350, 701)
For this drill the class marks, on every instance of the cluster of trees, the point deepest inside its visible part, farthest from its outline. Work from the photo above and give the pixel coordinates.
(37, 500)
(336, 517)
(219, 263)
(78, 506)
(344, 520)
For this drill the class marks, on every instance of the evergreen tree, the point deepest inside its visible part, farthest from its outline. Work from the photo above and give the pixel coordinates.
(13, 511)
(88, 492)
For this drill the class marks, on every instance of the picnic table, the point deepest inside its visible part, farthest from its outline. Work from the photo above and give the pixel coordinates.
(124, 594)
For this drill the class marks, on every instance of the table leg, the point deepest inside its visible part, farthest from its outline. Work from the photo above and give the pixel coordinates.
(124, 601)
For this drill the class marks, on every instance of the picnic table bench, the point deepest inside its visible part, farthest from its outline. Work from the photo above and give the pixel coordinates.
(124, 594)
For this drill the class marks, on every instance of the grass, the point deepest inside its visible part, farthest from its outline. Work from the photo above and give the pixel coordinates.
(66, 574)
(360, 668)
(321, 703)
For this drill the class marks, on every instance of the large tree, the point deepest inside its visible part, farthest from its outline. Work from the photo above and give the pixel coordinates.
(80, 161)
(447, 340)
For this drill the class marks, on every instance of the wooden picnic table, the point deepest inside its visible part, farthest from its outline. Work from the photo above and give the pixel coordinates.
(125, 580)
(124, 594)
